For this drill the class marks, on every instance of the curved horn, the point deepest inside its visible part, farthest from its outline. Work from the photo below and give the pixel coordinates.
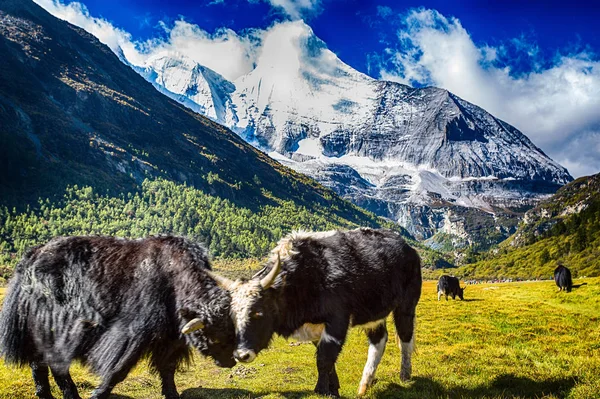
(269, 279)
(221, 281)
(192, 325)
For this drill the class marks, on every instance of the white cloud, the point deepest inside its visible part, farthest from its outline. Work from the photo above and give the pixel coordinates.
(228, 53)
(225, 51)
(557, 106)
(296, 8)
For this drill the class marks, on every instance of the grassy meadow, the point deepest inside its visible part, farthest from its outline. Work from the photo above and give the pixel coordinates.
(506, 340)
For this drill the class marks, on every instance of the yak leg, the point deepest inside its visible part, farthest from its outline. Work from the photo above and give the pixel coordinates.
(378, 337)
(65, 383)
(166, 364)
(334, 381)
(167, 376)
(330, 346)
(118, 363)
(405, 330)
(109, 381)
(439, 295)
(39, 371)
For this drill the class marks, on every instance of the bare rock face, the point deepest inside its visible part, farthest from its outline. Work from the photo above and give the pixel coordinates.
(414, 155)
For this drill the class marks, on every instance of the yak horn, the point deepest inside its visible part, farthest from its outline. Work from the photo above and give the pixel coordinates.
(221, 281)
(269, 279)
(192, 325)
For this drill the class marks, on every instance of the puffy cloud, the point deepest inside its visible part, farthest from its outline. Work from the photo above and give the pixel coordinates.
(556, 105)
(224, 51)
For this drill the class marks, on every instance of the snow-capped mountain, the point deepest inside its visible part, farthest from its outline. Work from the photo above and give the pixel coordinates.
(197, 87)
(416, 155)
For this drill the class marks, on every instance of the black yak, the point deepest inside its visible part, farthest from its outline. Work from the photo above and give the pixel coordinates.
(108, 302)
(317, 285)
(450, 285)
(562, 278)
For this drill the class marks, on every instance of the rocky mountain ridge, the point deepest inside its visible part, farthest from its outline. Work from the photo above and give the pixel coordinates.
(414, 155)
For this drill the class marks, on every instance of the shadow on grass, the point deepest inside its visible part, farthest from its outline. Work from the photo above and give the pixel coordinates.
(473, 300)
(209, 393)
(230, 393)
(505, 386)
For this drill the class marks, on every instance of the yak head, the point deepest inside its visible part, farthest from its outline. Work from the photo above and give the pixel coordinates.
(209, 328)
(253, 312)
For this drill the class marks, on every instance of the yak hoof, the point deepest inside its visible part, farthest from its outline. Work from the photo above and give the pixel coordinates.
(327, 392)
(362, 389)
(171, 395)
(405, 375)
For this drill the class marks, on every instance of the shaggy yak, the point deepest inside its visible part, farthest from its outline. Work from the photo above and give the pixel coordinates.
(107, 302)
(317, 285)
(563, 279)
(450, 285)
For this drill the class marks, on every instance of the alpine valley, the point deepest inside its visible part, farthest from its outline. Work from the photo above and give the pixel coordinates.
(443, 168)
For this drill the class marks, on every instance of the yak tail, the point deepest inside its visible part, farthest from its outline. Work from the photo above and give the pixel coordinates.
(15, 345)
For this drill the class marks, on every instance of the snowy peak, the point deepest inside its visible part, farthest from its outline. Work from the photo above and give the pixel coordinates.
(299, 88)
(192, 84)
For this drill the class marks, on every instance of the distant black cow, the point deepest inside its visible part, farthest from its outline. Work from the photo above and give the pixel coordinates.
(449, 285)
(108, 302)
(316, 285)
(562, 277)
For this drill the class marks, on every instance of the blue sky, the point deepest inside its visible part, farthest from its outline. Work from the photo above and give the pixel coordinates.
(357, 30)
(534, 64)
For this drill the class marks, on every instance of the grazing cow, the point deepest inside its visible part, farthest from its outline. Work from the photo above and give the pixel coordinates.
(108, 302)
(562, 278)
(316, 285)
(449, 285)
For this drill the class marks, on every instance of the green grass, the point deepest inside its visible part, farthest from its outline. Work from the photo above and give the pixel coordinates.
(517, 340)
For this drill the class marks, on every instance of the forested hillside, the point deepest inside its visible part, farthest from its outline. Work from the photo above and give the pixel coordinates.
(228, 230)
(565, 229)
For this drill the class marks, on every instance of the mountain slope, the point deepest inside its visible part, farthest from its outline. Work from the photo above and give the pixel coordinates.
(72, 114)
(565, 229)
(420, 156)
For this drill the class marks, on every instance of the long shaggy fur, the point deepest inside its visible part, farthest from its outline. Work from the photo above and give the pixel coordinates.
(108, 302)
